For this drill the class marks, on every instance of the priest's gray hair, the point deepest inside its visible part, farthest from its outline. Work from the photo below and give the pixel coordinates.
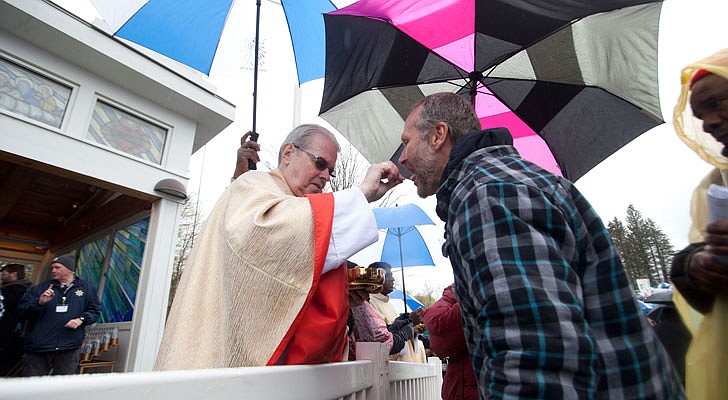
(301, 136)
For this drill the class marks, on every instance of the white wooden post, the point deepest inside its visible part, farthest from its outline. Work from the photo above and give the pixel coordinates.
(379, 355)
(150, 310)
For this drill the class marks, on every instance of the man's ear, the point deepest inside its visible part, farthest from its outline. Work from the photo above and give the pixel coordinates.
(440, 135)
(286, 152)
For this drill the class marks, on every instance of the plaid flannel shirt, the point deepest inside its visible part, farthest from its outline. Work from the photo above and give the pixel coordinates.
(547, 308)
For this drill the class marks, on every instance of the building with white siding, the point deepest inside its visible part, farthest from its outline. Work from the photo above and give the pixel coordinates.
(95, 143)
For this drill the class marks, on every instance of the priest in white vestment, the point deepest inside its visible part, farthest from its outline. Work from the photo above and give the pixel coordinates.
(266, 281)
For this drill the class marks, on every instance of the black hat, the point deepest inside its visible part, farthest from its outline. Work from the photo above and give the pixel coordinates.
(67, 261)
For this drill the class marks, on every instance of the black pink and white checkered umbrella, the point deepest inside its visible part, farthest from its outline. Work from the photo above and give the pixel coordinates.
(573, 80)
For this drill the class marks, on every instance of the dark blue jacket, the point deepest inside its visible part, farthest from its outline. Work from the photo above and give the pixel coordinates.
(12, 293)
(46, 327)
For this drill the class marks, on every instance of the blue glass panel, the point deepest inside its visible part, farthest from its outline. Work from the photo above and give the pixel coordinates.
(91, 260)
(123, 273)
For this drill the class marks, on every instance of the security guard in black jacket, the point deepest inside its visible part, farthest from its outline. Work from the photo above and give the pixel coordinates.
(57, 311)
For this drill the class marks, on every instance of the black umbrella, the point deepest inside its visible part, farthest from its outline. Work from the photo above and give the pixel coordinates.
(577, 79)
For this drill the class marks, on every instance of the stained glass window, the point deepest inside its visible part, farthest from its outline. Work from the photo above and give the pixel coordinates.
(123, 273)
(91, 261)
(31, 95)
(115, 128)
(119, 275)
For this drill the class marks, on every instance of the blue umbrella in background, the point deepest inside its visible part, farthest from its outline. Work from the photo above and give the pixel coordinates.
(645, 307)
(403, 244)
(412, 303)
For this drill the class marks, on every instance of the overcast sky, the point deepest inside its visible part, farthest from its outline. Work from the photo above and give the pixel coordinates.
(656, 172)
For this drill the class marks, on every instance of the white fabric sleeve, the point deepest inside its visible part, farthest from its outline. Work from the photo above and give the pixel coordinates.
(353, 228)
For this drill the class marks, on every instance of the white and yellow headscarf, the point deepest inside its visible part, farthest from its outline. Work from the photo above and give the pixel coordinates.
(689, 128)
(706, 363)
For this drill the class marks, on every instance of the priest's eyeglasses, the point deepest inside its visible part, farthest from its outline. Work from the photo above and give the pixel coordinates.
(319, 162)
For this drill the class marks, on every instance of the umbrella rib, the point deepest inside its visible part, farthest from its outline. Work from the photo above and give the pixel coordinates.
(504, 79)
(437, 80)
(505, 57)
(399, 231)
(424, 82)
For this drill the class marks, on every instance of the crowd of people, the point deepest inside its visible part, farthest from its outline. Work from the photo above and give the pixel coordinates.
(540, 307)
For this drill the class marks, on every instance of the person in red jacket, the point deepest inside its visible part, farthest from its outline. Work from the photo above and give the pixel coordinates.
(447, 339)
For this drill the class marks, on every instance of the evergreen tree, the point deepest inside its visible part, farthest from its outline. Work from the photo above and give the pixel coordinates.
(645, 250)
(639, 240)
(619, 235)
(663, 250)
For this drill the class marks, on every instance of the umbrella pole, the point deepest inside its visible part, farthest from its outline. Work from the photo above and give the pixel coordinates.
(474, 78)
(254, 132)
(401, 267)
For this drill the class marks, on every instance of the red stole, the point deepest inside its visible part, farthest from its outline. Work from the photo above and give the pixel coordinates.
(318, 334)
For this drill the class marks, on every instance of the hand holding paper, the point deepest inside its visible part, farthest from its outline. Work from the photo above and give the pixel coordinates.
(718, 210)
(717, 202)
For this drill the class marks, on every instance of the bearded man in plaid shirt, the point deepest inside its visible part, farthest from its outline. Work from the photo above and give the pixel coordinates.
(547, 309)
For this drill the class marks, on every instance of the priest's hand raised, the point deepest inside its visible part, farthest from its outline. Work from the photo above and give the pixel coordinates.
(379, 179)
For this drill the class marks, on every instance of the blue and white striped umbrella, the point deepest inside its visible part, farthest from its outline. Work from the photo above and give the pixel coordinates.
(412, 303)
(189, 30)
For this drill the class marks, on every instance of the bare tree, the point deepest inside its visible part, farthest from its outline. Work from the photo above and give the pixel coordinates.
(350, 169)
(427, 295)
(189, 227)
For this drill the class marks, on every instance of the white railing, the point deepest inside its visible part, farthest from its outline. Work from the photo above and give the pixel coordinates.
(415, 381)
(373, 378)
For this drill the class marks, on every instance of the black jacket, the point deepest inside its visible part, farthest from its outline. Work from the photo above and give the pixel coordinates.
(697, 299)
(46, 326)
(12, 293)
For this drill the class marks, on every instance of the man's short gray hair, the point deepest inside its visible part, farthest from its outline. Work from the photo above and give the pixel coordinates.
(449, 108)
(301, 136)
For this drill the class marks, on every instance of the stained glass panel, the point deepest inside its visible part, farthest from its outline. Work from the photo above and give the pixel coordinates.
(123, 273)
(91, 261)
(125, 132)
(34, 96)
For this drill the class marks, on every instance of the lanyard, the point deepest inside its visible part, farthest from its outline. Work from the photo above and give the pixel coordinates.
(64, 291)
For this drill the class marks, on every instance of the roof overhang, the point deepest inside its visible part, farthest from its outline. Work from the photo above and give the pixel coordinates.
(66, 36)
